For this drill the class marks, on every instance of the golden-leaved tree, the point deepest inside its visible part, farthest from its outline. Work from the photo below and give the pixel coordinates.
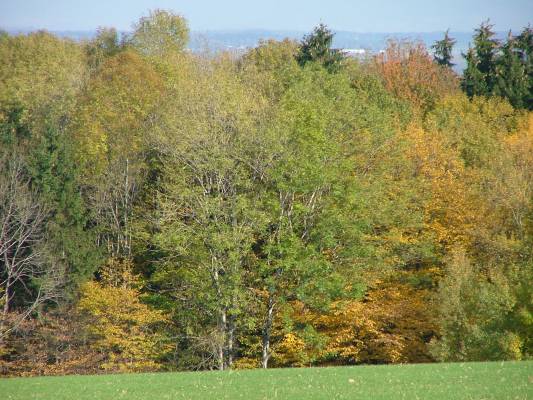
(124, 329)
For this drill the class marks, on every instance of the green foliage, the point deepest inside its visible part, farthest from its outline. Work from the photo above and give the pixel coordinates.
(479, 77)
(316, 47)
(105, 44)
(42, 74)
(49, 167)
(13, 130)
(475, 127)
(474, 81)
(56, 177)
(525, 48)
(443, 50)
(160, 33)
(110, 115)
(204, 212)
(271, 66)
(287, 204)
(500, 69)
(486, 47)
(481, 313)
(512, 81)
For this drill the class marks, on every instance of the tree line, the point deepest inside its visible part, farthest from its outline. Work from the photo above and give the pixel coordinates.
(165, 210)
(494, 68)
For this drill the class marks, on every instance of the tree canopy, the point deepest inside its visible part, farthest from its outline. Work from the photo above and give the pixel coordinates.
(162, 209)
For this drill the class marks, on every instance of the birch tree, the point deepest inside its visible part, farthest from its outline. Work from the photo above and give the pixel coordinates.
(25, 277)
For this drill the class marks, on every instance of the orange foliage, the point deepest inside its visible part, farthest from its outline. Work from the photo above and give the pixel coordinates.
(409, 72)
(392, 324)
(54, 345)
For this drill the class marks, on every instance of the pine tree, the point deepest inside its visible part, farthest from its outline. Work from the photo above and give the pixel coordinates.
(316, 47)
(479, 77)
(524, 44)
(12, 128)
(443, 50)
(473, 82)
(54, 176)
(511, 76)
(486, 48)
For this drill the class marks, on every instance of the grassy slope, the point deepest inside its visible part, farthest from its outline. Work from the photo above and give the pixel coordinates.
(509, 380)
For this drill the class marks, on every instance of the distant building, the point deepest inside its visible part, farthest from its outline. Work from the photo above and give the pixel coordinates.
(353, 52)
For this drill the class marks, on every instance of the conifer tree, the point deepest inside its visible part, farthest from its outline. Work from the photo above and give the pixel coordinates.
(511, 76)
(316, 47)
(524, 45)
(443, 50)
(524, 42)
(480, 75)
(54, 176)
(486, 49)
(473, 82)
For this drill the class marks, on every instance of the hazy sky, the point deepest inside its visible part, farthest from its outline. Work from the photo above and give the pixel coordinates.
(351, 15)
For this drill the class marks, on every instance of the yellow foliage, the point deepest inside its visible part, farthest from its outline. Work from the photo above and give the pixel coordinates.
(42, 73)
(452, 208)
(290, 350)
(118, 273)
(246, 363)
(392, 324)
(119, 100)
(122, 326)
(512, 186)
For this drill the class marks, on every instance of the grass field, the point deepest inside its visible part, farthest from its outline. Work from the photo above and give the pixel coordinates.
(508, 380)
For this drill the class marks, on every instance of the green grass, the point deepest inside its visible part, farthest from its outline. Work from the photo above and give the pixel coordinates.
(497, 380)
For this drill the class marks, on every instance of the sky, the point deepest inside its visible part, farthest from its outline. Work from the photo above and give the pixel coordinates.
(296, 15)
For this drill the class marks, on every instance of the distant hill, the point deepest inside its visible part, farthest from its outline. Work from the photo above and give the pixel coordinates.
(240, 40)
(371, 42)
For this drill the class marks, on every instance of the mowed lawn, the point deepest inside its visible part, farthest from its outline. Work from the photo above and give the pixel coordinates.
(496, 380)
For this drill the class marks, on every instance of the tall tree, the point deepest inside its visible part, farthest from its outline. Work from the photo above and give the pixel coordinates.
(309, 201)
(204, 218)
(105, 44)
(480, 75)
(159, 33)
(443, 50)
(512, 81)
(55, 175)
(316, 47)
(473, 82)
(110, 136)
(486, 47)
(26, 279)
(524, 44)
